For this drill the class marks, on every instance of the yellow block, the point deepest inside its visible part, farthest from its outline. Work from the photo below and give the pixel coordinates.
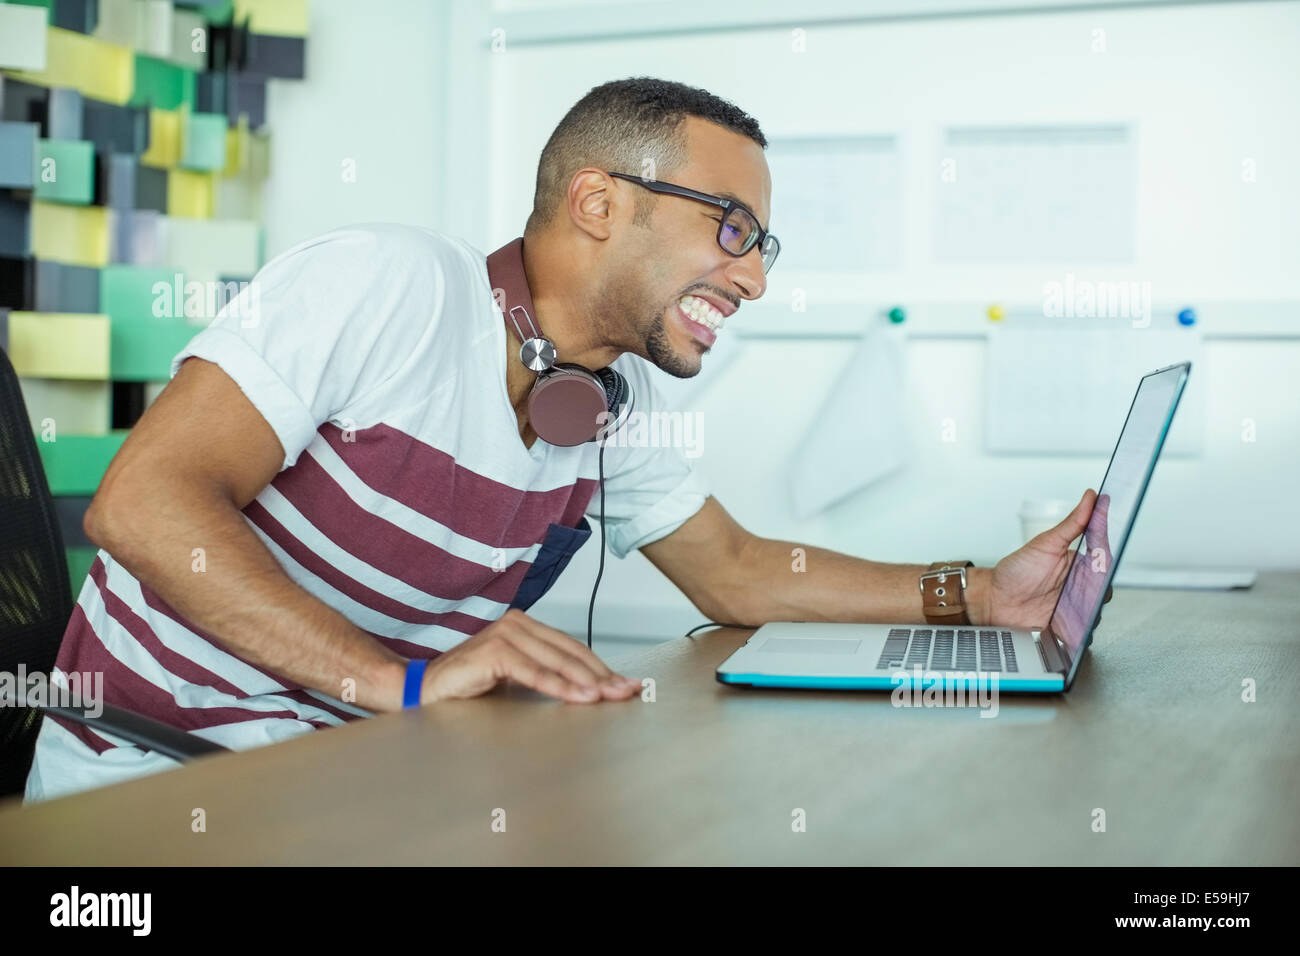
(77, 235)
(94, 68)
(236, 148)
(191, 194)
(75, 407)
(259, 156)
(286, 18)
(164, 150)
(238, 198)
(59, 345)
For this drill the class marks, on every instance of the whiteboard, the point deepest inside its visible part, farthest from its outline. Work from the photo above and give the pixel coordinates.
(1037, 194)
(1066, 390)
(839, 206)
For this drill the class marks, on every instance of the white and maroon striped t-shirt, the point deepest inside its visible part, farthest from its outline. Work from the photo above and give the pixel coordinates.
(407, 500)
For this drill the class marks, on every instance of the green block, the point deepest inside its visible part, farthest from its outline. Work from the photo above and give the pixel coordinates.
(204, 139)
(128, 292)
(142, 349)
(79, 561)
(75, 464)
(162, 85)
(219, 14)
(65, 171)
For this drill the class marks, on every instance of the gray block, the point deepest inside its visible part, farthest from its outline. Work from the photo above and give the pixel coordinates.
(23, 102)
(119, 172)
(18, 155)
(72, 515)
(15, 227)
(65, 288)
(115, 129)
(135, 238)
(64, 119)
(276, 56)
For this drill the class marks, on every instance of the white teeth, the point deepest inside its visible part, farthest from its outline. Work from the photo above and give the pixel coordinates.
(701, 311)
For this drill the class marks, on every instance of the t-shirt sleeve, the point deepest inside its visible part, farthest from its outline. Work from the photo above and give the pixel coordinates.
(324, 326)
(651, 482)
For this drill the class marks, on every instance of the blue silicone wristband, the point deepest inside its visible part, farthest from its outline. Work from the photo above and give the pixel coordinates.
(414, 678)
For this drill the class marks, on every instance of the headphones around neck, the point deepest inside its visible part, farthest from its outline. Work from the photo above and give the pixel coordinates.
(568, 404)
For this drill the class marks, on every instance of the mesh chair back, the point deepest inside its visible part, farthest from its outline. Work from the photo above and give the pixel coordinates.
(35, 596)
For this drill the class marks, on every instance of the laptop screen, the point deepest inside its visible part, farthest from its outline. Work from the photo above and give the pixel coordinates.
(1112, 518)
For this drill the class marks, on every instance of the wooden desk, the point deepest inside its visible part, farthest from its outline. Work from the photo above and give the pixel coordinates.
(1154, 731)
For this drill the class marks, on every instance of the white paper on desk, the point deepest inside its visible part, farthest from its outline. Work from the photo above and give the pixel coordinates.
(858, 435)
(1067, 390)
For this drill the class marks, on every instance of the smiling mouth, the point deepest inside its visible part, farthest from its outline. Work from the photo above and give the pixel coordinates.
(700, 318)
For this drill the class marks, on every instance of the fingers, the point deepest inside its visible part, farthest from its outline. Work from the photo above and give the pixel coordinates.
(563, 643)
(1075, 522)
(570, 666)
(518, 666)
(559, 652)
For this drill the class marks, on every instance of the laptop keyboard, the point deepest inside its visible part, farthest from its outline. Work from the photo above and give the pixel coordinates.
(949, 649)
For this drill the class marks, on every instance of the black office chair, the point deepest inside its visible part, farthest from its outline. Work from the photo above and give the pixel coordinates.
(36, 603)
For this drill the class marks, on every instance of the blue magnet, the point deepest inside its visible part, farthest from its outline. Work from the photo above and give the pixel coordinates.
(1187, 317)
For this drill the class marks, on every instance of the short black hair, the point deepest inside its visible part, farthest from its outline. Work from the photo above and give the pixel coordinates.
(619, 126)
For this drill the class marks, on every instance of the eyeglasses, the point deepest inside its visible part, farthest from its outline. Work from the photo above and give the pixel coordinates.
(738, 230)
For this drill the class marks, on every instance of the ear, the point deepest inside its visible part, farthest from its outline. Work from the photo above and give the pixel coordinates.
(591, 202)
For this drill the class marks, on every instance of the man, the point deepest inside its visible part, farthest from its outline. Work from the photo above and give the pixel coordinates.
(352, 482)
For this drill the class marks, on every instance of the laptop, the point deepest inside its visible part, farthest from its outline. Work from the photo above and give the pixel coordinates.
(827, 655)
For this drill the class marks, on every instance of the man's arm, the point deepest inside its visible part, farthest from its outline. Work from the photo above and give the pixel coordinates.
(195, 459)
(734, 576)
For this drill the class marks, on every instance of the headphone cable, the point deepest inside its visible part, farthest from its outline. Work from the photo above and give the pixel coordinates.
(600, 465)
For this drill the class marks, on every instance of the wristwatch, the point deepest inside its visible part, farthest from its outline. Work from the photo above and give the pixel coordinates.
(943, 592)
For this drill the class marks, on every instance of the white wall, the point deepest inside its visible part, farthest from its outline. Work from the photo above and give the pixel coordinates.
(1206, 86)
(447, 132)
(373, 93)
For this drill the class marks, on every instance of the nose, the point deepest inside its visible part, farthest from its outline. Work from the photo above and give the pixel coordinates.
(746, 274)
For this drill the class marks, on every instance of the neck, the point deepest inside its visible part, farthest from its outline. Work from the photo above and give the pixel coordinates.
(560, 311)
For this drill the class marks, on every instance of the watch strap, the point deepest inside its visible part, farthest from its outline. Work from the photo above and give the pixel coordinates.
(943, 592)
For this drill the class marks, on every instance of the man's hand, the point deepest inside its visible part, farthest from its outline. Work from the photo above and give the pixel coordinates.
(516, 647)
(1026, 583)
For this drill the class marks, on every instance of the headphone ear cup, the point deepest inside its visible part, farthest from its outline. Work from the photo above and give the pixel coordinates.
(619, 399)
(566, 403)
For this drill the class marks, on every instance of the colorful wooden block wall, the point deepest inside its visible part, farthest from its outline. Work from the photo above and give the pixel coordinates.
(133, 147)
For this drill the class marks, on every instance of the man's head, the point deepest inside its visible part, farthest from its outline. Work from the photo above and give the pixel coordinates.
(638, 253)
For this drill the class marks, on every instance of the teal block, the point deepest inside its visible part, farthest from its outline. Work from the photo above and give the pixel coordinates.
(204, 137)
(142, 350)
(65, 171)
(162, 85)
(75, 464)
(128, 292)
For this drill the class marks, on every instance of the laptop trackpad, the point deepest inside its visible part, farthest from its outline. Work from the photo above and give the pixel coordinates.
(811, 645)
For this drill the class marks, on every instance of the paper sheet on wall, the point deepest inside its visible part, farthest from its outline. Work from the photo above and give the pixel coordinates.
(858, 435)
(1067, 391)
(1037, 194)
(838, 203)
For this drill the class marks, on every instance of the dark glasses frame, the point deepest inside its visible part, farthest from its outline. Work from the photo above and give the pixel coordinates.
(761, 235)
